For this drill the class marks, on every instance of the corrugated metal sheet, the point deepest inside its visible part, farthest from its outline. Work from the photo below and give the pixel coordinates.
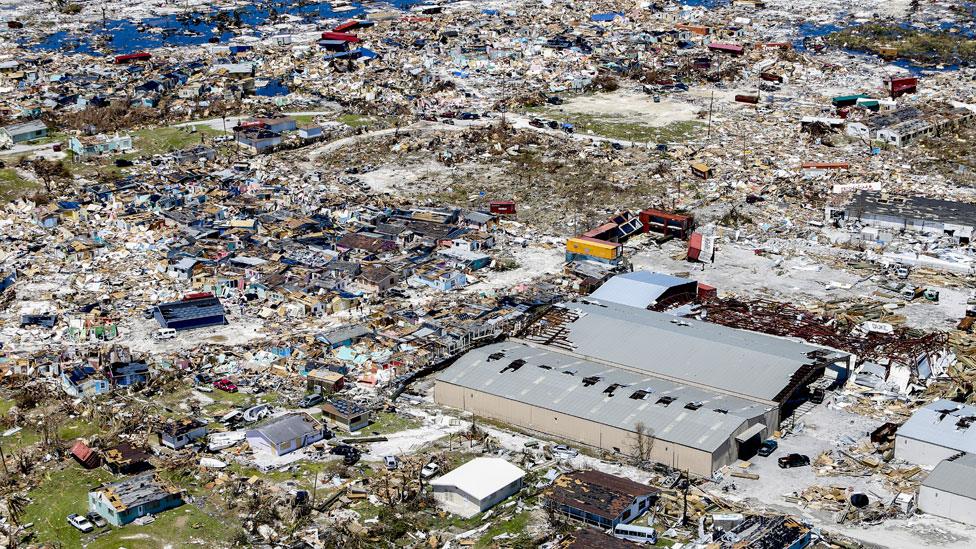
(637, 289)
(554, 381)
(943, 423)
(745, 363)
(957, 476)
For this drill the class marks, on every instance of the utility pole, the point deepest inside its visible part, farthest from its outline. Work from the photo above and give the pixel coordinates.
(711, 103)
(685, 483)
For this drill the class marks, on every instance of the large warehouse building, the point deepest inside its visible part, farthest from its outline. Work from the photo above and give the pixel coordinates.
(590, 372)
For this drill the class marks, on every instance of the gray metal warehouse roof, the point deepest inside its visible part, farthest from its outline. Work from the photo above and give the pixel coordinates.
(943, 423)
(553, 380)
(913, 207)
(738, 361)
(957, 476)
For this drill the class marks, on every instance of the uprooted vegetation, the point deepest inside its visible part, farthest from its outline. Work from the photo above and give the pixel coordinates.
(923, 46)
(559, 184)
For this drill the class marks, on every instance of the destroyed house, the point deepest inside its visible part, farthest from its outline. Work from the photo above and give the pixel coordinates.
(599, 499)
(83, 381)
(936, 432)
(126, 459)
(286, 433)
(258, 140)
(343, 336)
(912, 213)
(359, 241)
(708, 393)
(177, 434)
(190, 313)
(85, 455)
(346, 413)
(124, 501)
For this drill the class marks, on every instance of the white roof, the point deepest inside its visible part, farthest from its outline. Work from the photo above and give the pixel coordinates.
(943, 423)
(481, 477)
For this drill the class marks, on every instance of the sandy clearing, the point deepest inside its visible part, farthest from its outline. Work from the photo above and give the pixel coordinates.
(634, 107)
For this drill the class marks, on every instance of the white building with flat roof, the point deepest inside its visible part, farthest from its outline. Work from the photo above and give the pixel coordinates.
(477, 486)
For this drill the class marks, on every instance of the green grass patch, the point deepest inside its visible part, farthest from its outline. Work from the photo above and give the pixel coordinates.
(13, 185)
(77, 428)
(514, 526)
(616, 127)
(151, 141)
(304, 119)
(364, 121)
(58, 495)
(388, 422)
(184, 526)
(19, 440)
(66, 491)
(5, 406)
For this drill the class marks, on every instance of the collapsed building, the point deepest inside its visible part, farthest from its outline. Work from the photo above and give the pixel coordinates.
(685, 393)
(893, 214)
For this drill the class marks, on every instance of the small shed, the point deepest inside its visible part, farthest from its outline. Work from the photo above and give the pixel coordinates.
(346, 413)
(477, 486)
(325, 381)
(178, 434)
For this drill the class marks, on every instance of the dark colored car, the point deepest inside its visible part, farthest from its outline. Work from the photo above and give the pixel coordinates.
(767, 448)
(343, 450)
(351, 459)
(793, 460)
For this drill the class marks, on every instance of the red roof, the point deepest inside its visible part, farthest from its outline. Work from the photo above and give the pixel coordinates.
(733, 48)
(348, 25)
(84, 455)
(139, 56)
(341, 36)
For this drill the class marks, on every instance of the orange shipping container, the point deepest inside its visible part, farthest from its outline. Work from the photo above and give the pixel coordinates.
(592, 247)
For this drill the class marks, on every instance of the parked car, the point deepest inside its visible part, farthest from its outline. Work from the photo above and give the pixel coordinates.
(793, 460)
(767, 448)
(391, 462)
(564, 452)
(310, 400)
(97, 520)
(429, 470)
(80, 523)
(148, 313)
(351, 458)
(225, 385)
(342, 450)
(203, 379)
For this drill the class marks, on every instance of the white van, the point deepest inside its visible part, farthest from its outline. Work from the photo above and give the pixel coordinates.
(165, 333)
(635, 533)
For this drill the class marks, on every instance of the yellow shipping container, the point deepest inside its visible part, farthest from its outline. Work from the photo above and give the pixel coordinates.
(593, 247)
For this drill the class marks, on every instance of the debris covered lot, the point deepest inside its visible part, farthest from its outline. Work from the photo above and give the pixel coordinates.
(493, 274)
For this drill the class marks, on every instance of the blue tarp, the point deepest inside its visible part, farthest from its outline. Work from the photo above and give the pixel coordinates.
(605, 17)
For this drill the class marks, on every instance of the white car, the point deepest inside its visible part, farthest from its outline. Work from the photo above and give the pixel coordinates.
(564, 452)
(80, 523)
(429, 470)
